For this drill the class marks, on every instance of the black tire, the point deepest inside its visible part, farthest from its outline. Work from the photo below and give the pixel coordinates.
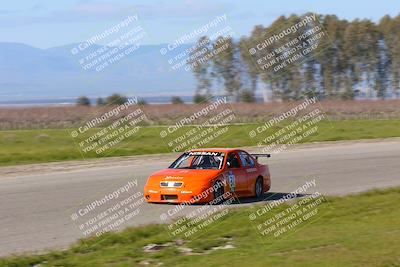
(259, 188)
(219, 192)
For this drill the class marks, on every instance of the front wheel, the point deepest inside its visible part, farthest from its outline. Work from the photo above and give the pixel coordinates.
(259, 187)
(219, 192)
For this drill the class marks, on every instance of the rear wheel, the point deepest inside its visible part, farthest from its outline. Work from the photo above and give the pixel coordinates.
(259, 187)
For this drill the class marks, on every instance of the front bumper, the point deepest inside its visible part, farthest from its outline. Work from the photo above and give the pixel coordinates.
(177, 195)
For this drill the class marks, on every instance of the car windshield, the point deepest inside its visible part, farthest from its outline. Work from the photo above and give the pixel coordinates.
(199, 160)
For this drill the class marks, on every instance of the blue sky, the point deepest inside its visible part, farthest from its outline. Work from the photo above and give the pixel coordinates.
(49, 23)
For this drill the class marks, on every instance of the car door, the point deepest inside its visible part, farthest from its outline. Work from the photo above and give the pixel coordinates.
(250, 170)
(236, 175)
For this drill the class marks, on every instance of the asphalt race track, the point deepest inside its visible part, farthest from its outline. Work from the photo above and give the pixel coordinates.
(35, 205)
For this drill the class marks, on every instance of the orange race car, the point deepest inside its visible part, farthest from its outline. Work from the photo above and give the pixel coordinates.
(208, 175)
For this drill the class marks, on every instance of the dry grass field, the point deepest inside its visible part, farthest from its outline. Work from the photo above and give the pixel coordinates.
(71, 116)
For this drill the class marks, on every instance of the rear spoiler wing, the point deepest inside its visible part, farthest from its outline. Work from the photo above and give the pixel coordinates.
(261, 155)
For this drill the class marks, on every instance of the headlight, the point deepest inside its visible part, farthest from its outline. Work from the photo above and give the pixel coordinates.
(153, 192)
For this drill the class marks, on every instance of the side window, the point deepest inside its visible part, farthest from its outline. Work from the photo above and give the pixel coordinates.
(251, 161)
(233, 161)
(247, 161)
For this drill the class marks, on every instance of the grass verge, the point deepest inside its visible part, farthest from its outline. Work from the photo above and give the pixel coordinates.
(357, 230)
(39, 146)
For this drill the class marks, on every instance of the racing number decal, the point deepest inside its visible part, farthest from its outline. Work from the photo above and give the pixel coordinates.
(231, 180)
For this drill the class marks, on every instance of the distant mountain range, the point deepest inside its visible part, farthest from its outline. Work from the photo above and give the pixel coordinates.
(32, 73)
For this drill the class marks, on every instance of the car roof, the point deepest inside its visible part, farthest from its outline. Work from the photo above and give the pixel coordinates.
(223, 150)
